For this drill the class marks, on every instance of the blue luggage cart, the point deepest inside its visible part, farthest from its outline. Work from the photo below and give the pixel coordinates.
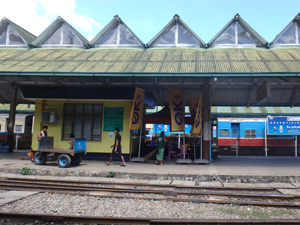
(63, 157)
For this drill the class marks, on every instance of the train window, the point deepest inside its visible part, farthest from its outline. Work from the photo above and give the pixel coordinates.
(224, 132)
(250, 133)
(19, 128)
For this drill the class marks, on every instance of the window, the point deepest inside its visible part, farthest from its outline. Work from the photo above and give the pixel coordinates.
(120, 36)
(63, 36)
(224, 132)
(177, 36)
(236, 35)
(290, 36)
(19, 128)
(84, 120)
(10, 36)
(250, 133)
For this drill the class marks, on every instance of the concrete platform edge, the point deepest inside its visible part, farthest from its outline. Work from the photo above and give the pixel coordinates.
(155, 176)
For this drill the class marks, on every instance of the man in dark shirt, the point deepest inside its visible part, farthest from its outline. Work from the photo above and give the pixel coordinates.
(116, 148)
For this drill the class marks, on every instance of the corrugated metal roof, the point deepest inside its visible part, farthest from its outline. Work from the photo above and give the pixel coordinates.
(21, 108)
(218, 110)
(140, 61)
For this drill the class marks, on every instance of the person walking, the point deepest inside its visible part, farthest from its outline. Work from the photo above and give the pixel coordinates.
(117, 150)
(160, 141)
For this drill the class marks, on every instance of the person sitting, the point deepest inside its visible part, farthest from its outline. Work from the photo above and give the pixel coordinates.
(30, 155)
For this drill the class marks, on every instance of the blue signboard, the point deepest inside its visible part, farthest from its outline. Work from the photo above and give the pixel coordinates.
(283, 125)
(157, 128)
(214, 133)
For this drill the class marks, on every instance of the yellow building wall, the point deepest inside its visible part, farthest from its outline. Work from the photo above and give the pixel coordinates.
(55, 130)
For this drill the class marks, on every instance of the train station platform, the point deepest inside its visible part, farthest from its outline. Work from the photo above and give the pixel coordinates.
(226, 169)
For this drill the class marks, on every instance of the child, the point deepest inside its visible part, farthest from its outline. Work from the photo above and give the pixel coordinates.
(30, 155)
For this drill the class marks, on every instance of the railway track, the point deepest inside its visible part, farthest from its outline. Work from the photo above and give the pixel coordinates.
(14, 218)
(219, 195)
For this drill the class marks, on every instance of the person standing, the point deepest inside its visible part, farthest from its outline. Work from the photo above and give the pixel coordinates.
(160, 141)
(43, 132)
(72, 141)
(117, 150)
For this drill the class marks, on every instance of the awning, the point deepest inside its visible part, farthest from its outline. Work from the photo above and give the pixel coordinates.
(80, 93)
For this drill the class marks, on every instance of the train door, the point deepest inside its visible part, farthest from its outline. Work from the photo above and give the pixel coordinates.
(235, 137)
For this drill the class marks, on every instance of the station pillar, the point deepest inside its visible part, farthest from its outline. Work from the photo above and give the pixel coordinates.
(206, 120)
(12, 116)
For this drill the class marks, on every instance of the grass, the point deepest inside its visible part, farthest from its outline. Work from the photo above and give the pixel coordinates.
(236, 210)
(25, 171)
(111, 174)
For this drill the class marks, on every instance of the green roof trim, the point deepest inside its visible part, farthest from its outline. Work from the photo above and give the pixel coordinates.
(257, 111)
(21, 108)
(171, 62)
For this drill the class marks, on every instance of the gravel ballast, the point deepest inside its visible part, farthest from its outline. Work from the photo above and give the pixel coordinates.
(69, 204)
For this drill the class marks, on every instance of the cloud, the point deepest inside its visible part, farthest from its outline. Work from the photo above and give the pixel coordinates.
(36, 15)
(90, 37)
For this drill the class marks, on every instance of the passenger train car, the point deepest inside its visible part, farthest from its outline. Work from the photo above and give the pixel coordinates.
(23, 129)
(246, 136)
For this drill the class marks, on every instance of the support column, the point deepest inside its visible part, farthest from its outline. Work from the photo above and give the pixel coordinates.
(206, 119)
(12, 116)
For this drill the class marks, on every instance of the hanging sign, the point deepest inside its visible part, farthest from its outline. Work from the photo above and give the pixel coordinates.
(262, 92)
(137, 109)
(193, 105)
(198, 118)
(177, 109)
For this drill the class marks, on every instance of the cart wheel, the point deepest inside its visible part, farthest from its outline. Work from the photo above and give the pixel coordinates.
(76, 160)
(64, 161)
(40, 158)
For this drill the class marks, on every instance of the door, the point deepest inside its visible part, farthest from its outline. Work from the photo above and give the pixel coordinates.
(235, 134)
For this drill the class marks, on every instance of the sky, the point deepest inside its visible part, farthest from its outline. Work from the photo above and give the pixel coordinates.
(147, 17)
